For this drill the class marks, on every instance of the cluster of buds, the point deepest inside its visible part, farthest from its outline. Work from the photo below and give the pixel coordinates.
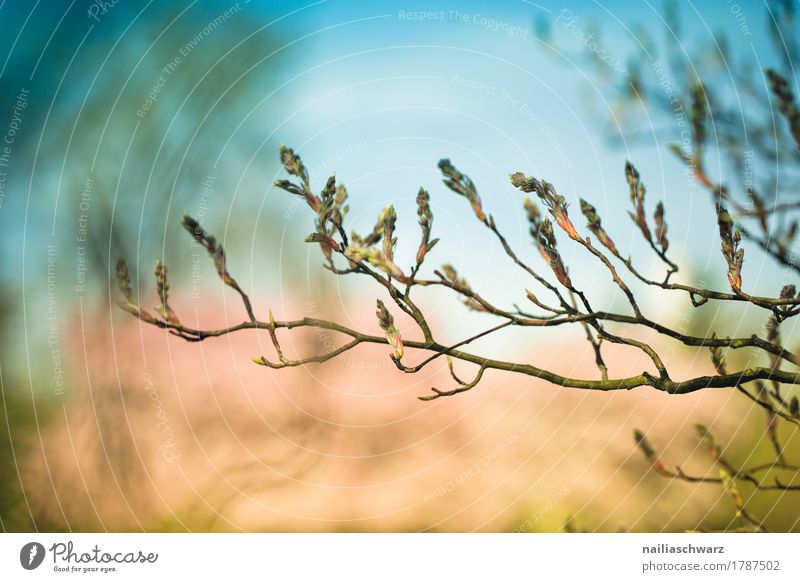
(330, 215)
(637, 191)
(730, 240)
(363, 249)
(373, 237)
(595, 225)
(386, 321)
(162, 285)
(555, 203)
(129, 305)
(461, 184)
(425, 223)
(718, 357)
(451, 275)
(786, 105)
(211, 245)
(326, 221)
(698, 113)
(330, 210)
(547, 246)
(329, 207)
(357, 253)
(650, 453)
(294, 165)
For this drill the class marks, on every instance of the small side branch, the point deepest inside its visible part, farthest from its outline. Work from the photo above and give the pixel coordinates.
(462, 388)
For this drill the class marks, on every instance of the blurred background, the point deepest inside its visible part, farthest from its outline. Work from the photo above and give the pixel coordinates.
(118, 118)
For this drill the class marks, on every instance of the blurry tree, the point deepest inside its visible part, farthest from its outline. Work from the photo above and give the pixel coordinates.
(125, 114)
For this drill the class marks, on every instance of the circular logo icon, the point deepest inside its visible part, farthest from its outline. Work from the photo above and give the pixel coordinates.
(31, 555)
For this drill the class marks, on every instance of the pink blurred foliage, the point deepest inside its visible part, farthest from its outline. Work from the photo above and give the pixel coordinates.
(160, 434)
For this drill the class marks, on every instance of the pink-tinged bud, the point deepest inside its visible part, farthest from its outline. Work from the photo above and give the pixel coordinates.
(596, 226)
(333, 244)
(644, 228)
(641, 221)
(659, 468)
(606, 241)
(462, 185)
(313, 201)
(396, 341)
(561, 274)
(564, 222)
(649, 453)
(386, 321)
(735, 279)
(325, 241)
(423, 249)
(478, 209)
(734, 255)
(543, 252)
(392, 269)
